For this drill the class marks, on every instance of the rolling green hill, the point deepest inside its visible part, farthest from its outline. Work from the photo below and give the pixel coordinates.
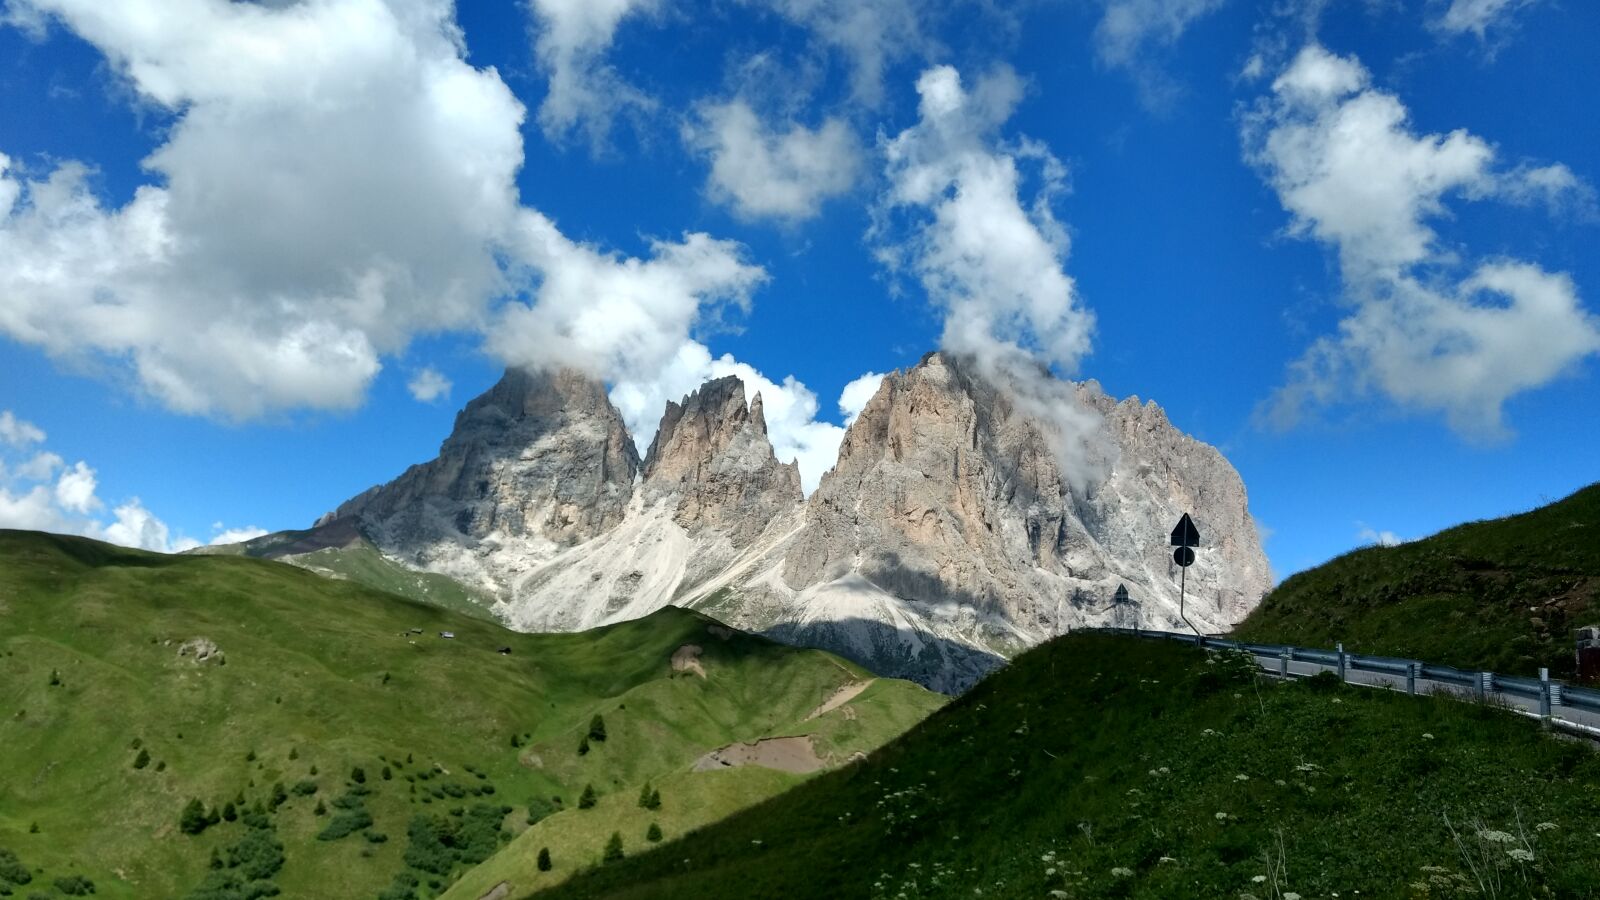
(1503, 594)
(1101, 766)
(338, 746)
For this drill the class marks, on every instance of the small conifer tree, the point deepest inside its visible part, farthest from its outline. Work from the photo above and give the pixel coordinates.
(587, 799)
(613, 848)
(597, 729)
(193, 818)
(544, 859)
(653, 834)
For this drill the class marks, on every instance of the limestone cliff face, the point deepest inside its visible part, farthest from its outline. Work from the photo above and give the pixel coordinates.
(950, 500)
(712, 454)
(542, 456)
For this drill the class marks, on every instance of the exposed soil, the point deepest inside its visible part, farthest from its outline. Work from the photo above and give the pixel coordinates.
(687, 659)
(499, 892)
(846, 692)
(786, 754)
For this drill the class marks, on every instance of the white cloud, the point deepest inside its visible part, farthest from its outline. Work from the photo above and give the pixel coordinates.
(75, 489)
(332, 183)
(1477, 16)
(71, 504)
(617, 318)
(428, 385)
(1366, 534)
(235, 535)
(872, 34)
(14, 431)
(855, 396)
(993, 264)
(1347, 166)
(335, 180)
(790, 408)
(764, 172)
(571, 43)
(1128, 27)
(1130, 32)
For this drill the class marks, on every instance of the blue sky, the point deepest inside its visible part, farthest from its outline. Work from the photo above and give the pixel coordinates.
(1349, 243)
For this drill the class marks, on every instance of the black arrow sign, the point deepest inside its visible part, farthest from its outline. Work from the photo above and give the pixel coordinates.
(1186, 535)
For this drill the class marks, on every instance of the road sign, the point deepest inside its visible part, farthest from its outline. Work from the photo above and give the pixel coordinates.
(1183, 556)
(1121, 596)
(1185, 535)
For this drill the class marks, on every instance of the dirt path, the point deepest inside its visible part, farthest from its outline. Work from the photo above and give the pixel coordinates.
(843, 695)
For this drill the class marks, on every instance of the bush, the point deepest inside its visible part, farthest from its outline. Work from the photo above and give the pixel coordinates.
(345, 823)
(358, 775)
(586, 800)
(539, 809)
(613, 849)
(12, 871)
(583, 747)
(142, 760)
(387, 775)
(74, 886)
(544, 859)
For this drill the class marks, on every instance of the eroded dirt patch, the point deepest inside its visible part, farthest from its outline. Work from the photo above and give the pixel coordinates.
(786, 754)
(846, 692)
(687, 659)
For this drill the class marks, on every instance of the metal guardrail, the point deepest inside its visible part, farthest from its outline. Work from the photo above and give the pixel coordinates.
(1551, 694)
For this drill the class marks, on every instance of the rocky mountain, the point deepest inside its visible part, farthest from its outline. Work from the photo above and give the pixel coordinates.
(946, 539)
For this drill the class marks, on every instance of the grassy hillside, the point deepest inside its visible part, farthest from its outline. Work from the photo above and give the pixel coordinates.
(1502, 594)
(1101, 766)
(110, 725)
(340, 550)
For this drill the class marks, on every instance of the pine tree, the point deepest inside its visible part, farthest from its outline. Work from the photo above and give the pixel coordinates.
(320, 810)
(655, 799)
(250, 757)
(230, 813)
(653, 835)
(583, 747)
(294, 753)
(597, 729)
(587, 799)
(544, 859)
(387, 775)
(193, 819)
(613, 848)
(644, 796)
(279, 795)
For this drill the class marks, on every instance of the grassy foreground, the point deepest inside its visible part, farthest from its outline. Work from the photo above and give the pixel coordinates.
(1101, 766)
(1503, 594)
(332, 744)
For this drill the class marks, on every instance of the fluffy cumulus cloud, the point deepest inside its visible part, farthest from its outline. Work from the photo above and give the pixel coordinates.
(428, 385)
(791, 408)
(40, 492)
(332, 182)
(761, 171)
(1366, 534)
(1353, 174)
(991, 260)
(335, 180)
(585, 92)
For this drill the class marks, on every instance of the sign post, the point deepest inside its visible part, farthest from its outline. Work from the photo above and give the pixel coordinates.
(1185, 537)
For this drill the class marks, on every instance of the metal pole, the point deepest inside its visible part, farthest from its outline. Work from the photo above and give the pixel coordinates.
(1283, 665)
(1341, 661)
(1411, 678)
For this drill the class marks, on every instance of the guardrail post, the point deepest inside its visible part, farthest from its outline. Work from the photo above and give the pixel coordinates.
(1544, 697)
(1283, 664)
(1412, 671)
(1341, 661)
(1485, 684)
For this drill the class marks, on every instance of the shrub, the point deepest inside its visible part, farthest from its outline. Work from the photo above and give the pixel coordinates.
(613, 848)
(387, 775)
(358, 775)
(583, 746)
(230, 813)
(142, 760)
(544, 859)
(12, 871)
(539, 809)
(305, 787)
(345, 823)
(586, 800)
(74, 885)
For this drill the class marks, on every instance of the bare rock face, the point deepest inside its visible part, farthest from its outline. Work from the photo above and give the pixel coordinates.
(948, 521)
(540, 455)
(713, 454)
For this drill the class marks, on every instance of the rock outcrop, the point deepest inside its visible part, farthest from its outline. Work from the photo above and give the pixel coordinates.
(713, 455)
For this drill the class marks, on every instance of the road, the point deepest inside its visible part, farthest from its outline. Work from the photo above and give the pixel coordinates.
(1587, 722)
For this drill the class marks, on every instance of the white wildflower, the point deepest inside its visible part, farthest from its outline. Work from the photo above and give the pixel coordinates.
(1520, 855)
(1426, 736)
(1241, 777)
(1121, 872)
(1164, 770)
(1222, 817)
(1166, 860)
(1497, 837)
(1291, 895)
(1259, 879)
(1544, 826)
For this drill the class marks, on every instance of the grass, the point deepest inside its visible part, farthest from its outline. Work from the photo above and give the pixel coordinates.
(1102, 766)
(1503, 595)
(320, 676)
